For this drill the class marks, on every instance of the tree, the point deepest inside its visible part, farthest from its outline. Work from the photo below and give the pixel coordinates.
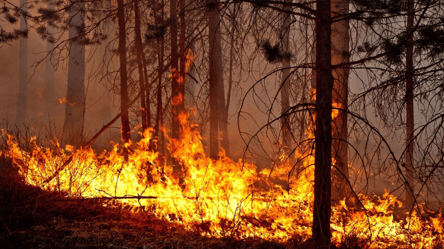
(323, 133)
(285, 81)
(409, 98)
(126, 137)
(75, 96)
(217, 99)
(48, 92)
(175, 126)
(340, 56)
(140, 64)
(22, 102)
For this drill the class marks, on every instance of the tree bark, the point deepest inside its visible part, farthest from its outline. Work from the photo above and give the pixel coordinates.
(140, 64)
(76, 96)
(126, 136)
(22, 101)
(323, 138)
(409, 196)
(50, 101)
(182, 53)
(174, 68)
(217, 95)
(159, 107)
(285, 81)
(340, 54)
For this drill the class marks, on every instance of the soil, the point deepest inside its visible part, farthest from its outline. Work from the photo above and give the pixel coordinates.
(33, 218)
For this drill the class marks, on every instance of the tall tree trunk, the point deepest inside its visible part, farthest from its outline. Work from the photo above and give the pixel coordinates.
(147, 92)
(159, 110)
(285, 81)
(75, 96)
(409, 197)
(126, 136)
(323, 138)
(174, 68)
(217, 95)
(175, 88)
(140, 64)
(182, 53)
(50, 101)
(233, 17)
(159, 107)
(22, 101)
(106, 99)
(340, 54)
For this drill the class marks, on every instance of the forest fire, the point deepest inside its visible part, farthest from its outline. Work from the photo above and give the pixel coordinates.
(313, 124)
(219, 198)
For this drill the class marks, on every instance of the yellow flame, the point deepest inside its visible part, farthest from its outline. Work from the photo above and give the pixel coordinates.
(219, 197)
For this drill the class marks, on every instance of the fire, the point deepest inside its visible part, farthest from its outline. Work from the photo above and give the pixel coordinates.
(219, 198)
(62, 100)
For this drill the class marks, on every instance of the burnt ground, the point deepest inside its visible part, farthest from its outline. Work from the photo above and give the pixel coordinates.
(33, 218)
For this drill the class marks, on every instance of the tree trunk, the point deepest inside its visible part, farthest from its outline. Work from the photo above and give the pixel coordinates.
(230, 75)
(323, 138)
(340, 54)
(285, 81)
(174, 68)
(147, 92)
(409, 196)
(126, 136)
(50, 101)
(182, 53)
(22, 101)
(159, 106)
(75, 97)
(217, 95)
(140, 64)
(175, 88)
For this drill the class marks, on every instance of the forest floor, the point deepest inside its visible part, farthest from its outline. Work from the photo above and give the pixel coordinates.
(33, 218)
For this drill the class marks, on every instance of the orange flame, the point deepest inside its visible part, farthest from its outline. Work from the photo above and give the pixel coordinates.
(222, 197)
(62, 100)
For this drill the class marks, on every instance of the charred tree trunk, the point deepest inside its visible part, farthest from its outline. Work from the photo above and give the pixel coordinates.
(409, 197)
(340, 54)
(140, 65)
(323, 138)
(76, 96)
(285, 81)
(22, 101)
(126, 136)
(216, 78)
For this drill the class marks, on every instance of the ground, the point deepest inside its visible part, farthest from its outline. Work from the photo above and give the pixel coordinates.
(33, 218)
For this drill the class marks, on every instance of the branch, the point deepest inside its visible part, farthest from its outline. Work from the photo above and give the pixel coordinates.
(125, 110)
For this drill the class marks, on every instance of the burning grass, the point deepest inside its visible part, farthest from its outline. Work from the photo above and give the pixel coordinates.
(33, 218)
(217, 199)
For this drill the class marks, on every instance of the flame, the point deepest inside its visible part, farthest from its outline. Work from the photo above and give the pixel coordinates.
(190, 56)
(62, 100)
(219, 197)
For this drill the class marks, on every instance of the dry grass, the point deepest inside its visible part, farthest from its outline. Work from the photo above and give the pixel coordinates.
(33, 218)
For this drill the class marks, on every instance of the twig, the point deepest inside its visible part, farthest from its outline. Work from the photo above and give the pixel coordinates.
(125, 110)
